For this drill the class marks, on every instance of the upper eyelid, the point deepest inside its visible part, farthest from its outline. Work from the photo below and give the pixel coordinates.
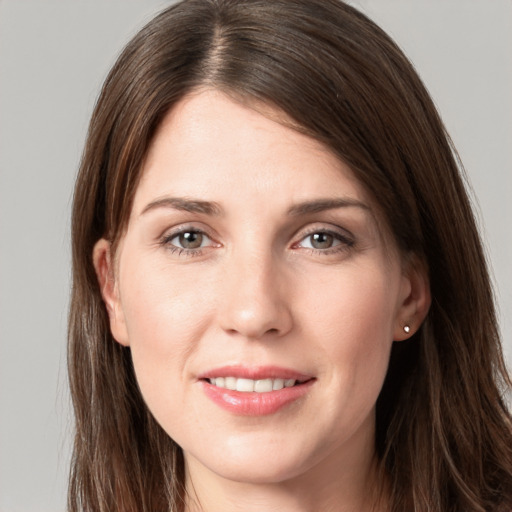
(175, 234)
(326, 228)
(184, 228)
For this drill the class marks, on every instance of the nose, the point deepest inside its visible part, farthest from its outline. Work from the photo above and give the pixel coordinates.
(255, 302)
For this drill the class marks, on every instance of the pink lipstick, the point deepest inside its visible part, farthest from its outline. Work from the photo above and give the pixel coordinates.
(254, 391)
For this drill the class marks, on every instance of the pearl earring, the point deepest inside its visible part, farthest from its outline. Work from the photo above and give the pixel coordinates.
(407, 329)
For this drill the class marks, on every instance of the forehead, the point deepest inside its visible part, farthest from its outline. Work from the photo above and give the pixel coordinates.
(208, 143)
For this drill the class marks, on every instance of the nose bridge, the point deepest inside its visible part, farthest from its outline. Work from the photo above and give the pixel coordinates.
(254, 299)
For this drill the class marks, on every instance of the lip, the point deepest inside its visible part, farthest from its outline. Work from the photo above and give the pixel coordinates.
(252, 403)
(255, 373)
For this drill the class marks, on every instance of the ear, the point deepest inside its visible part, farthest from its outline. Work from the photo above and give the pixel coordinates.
(414, 301)
(105, 272)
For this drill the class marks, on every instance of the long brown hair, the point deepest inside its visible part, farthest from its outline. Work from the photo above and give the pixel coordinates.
(444, 435)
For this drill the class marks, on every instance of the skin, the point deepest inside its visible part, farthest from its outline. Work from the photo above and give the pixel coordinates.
(259, 291)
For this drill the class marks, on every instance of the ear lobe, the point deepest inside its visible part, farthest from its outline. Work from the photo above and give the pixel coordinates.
(105, 272)
(415, 301)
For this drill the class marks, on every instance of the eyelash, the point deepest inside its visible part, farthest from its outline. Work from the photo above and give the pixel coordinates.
(182, 251)
(346, 242)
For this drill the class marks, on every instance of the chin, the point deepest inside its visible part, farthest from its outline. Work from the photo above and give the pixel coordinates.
(271, 471)
(256, 462)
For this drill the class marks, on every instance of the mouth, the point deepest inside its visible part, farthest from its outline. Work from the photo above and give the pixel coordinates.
(255, 391)
(254, 386)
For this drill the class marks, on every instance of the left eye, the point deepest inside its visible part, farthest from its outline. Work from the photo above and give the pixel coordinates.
(321, 240)
(190, 240)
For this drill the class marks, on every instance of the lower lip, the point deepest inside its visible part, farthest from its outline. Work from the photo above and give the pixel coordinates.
(255, 404)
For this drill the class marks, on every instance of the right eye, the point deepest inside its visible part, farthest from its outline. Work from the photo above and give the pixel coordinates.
(187, 241)
(190, 239)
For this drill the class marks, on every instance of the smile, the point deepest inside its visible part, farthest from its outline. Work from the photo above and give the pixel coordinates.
(256, 391)
(252, 386)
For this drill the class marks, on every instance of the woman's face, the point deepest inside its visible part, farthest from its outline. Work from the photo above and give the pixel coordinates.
(252, 260)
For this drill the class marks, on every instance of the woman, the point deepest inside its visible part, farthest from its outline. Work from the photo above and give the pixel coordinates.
(280, 298)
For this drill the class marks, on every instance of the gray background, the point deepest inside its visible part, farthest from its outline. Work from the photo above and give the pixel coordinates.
(53, 58)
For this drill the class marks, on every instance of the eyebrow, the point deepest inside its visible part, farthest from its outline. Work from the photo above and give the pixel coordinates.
(185, 204)
(320, 205)
(213, 208)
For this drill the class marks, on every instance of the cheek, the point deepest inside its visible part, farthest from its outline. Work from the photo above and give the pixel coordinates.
(353, 323)
(162, 307)
(356, 304)
(165, 318)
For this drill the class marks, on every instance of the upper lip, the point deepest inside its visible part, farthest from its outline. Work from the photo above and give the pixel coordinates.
(255, 373)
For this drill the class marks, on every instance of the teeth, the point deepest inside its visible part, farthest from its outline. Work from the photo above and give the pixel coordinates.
(246, 385)
(230, 383)
(263, 386)
(278, 384)
(250, 385)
